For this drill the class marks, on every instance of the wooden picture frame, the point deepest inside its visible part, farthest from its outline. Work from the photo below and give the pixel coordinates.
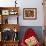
(30, 13)
(5, 12)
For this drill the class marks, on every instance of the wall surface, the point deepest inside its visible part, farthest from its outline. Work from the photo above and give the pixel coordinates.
(26, 4)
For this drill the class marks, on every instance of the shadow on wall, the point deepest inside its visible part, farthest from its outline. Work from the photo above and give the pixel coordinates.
(37, 29)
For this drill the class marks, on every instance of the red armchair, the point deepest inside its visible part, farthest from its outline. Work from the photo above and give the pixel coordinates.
(29, 36)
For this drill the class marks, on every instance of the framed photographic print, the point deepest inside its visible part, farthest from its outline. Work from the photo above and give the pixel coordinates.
(30, 13)
(13, 12)
(5, 12)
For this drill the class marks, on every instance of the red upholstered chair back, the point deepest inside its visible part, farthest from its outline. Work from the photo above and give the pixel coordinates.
(29, 33)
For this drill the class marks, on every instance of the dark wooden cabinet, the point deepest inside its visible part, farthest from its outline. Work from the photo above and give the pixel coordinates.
(6, 12)
(10, 43)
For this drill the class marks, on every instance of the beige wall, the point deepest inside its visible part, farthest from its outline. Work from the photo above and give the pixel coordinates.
(26, 4)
